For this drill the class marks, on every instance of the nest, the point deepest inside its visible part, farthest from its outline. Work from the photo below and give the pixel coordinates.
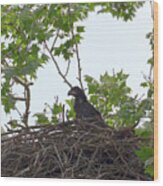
(72, 150)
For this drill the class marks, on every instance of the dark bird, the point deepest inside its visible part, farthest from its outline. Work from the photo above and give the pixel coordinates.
(83, 109)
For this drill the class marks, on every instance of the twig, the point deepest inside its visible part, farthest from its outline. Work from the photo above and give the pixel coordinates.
(22, 172)
(57, 66)
(18, 111)
(76, 50)
(27, 104)
(136, 124)
(67, 69)
(63, 113)
(150, 73)
(55, 40)
(71, 151)
(18, 98)
(78, 61)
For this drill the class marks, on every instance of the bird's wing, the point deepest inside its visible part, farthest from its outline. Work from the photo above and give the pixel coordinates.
(89, 110)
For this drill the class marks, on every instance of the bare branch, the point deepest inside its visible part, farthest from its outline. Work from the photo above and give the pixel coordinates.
(18, 98)
(18, 111)
(63, 113)
(78, 61)
(136, 124)
(20, 81)
(55, 40)
(27, 98)
(27, 94)
(67, 69)
(150, 73)
(76, 50)
(57, 66)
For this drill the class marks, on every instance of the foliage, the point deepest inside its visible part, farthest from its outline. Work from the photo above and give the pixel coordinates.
(146, 152)
(56, 113)
(112, 97)
(26, 28)
(124, 10)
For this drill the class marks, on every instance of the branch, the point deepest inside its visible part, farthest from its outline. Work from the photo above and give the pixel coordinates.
(76, 50)
(55, 40)
(136, 124)
(67, 69)
(63, 113)
(150, 73)
(18, 98)
(27, 98)
(18, 111)
(78, 61)
(27, 95)
(57, 66)
(24, 84)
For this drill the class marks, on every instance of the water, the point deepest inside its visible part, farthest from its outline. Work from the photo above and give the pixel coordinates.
(108, 44)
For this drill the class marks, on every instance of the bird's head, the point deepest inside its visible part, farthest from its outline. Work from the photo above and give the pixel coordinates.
(77, 93)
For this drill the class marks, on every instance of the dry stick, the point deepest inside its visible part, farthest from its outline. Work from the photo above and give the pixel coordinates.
(57, 66)
(59, 159)
(92, 160)
(37, 127)
(63, 113)
(113, 170)
(20, 173)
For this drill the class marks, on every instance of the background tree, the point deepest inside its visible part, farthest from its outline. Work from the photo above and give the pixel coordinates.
(28, 29)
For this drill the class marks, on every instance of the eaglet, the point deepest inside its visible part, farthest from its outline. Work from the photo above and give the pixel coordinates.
(83, 109)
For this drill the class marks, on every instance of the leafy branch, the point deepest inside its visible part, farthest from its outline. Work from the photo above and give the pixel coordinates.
(27, 95)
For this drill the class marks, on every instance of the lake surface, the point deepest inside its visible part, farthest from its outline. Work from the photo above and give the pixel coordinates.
(108, 44)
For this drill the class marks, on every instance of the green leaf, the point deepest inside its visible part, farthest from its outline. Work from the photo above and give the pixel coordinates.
(144, 84)
(8, 102)
(41, 118)
(13, 123)
(57, 109)
(92, 88)
(143, 132)
(71, 113)
(80, 29)
(150, 170)
(94, 99)
(145, 153)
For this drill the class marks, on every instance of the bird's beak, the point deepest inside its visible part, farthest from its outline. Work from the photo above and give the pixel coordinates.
(71, 93)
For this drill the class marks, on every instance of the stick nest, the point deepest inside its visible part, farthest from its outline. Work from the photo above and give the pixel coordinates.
(72, 150)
